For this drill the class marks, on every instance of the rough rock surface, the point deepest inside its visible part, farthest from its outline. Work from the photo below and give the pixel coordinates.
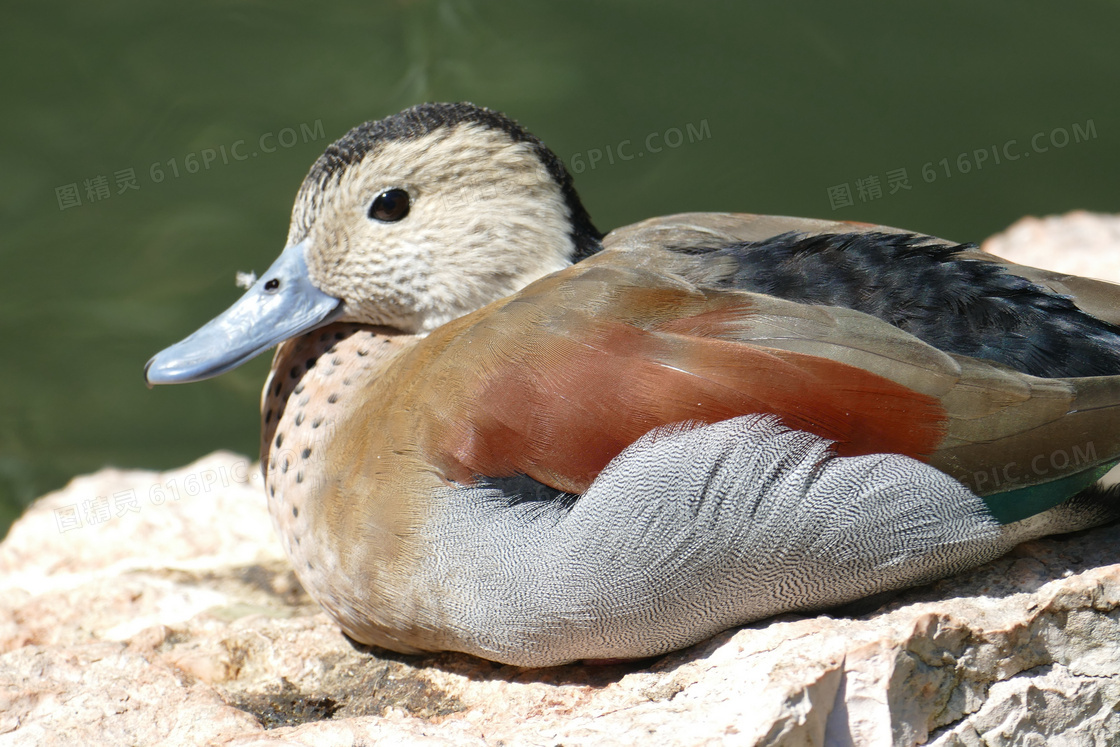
(1079, 243)
(144, 608)
(180, 623)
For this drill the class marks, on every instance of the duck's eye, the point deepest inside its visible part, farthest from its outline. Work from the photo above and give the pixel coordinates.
(389, 206)
(272, 285)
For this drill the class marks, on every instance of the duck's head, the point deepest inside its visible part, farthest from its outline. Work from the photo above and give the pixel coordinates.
(407, 222)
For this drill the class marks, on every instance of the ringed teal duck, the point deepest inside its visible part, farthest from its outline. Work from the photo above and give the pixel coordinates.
(490, 429)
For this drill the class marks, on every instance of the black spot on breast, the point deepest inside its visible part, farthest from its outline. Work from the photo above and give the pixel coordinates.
(339, 336)
(279, 440)
(332, 399)
(293, 373)
(299, 418)
(295, 512)
(299, 477)
(268, 416)
(298, 389)
(310, 363)
(279, 385)
(316, 422)
(305, 453)
(336, 361)
(363, 353)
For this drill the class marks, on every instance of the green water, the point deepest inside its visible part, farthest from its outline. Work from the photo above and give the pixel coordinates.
(768, 107)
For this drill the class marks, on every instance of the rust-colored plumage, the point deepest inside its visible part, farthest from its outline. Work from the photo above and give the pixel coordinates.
(559, 381)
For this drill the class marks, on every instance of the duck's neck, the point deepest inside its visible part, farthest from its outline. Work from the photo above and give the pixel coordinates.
(313, 371)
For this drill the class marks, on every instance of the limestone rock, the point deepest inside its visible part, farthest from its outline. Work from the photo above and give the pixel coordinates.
(180, 623)
(1078, 243)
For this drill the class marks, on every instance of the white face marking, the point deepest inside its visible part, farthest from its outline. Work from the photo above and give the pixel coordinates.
(486, 219)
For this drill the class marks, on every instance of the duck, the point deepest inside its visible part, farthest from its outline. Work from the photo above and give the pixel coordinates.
(489, 428)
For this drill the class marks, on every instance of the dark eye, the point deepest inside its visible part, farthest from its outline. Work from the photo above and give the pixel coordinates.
(389, 206)
(272, 285)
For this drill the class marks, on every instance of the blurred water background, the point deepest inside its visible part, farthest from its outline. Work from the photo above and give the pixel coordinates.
(150, 151)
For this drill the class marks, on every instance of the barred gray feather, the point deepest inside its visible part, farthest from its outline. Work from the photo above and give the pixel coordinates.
(688, 532)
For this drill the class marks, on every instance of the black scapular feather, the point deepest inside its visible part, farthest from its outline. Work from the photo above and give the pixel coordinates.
(956, 303)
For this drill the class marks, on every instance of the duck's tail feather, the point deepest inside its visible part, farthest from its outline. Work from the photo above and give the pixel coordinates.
(1015, 505)
(1092, 507)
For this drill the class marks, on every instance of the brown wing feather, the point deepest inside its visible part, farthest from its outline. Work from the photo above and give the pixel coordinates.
(558, 400)
(558, 379)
